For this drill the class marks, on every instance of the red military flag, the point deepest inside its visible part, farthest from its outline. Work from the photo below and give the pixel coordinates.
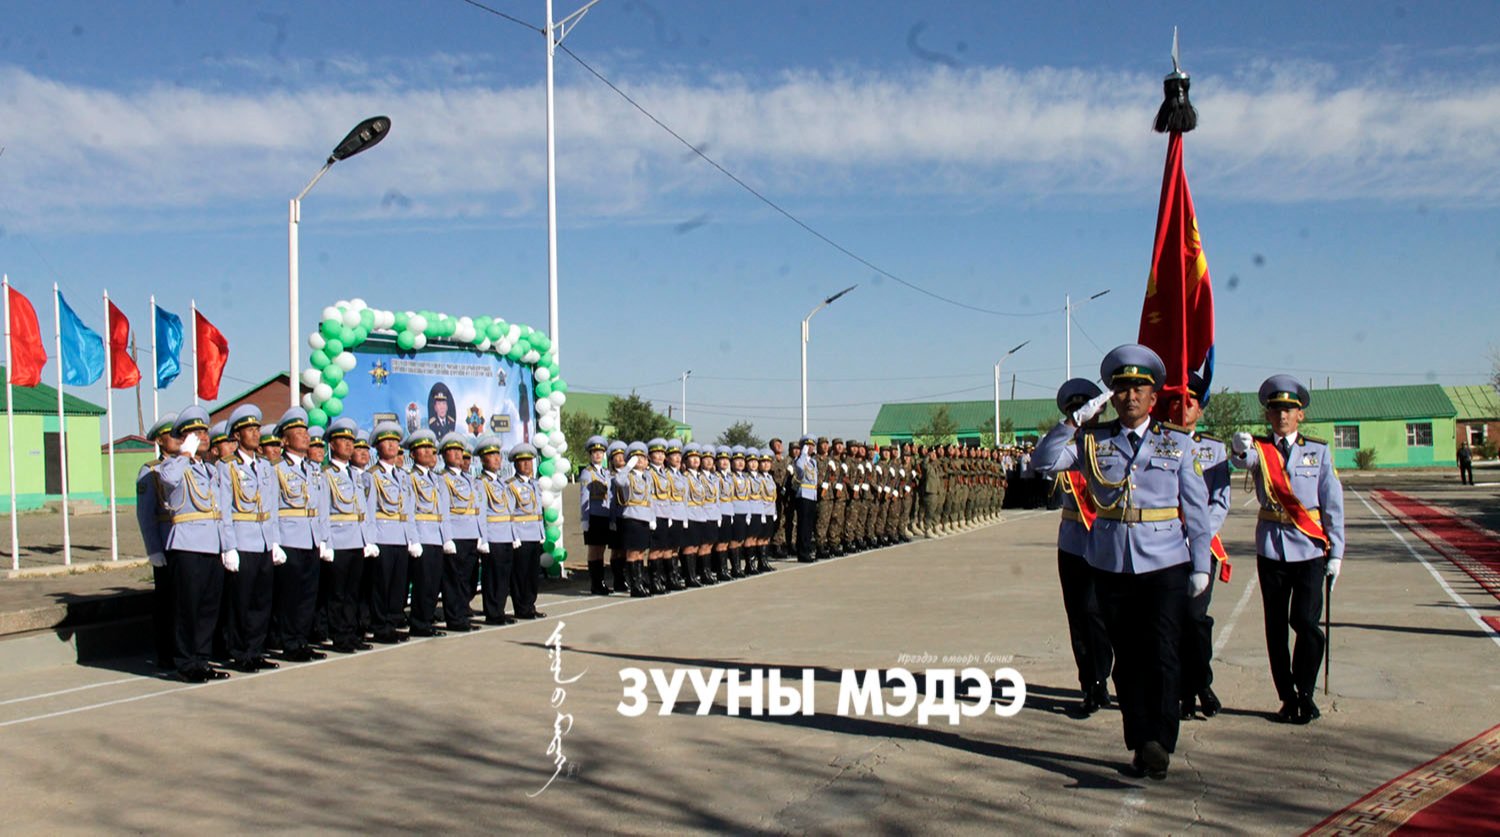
(122, 369)
(212, 353)
(27, 352)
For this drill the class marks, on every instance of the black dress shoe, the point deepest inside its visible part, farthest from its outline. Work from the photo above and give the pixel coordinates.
(1101, 694)
(300, 655)
(1209, 703)
(263, 664)
(1154, 760)
(387, 638)
(427, 632)
(535, 614)
(1287, 714)
(1090, 703)
(193, 676)
(361, 645)
(215, 674)
(343, 647)
(1188, 705)
(247, 666)
(1307, 711)
(314, 654)
(460, 629)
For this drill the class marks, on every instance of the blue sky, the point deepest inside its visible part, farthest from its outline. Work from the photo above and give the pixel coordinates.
(1346, 175)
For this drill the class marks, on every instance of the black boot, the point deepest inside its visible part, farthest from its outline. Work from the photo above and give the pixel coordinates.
(596, 579)
(636, 581)
(749, 559)
(690, 570)
(617, 569)
(674, 576)
(763, 561)
(659, 576)
(734, 563)
(721, 565)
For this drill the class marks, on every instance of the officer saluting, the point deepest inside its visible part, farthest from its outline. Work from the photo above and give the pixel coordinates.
(1149, 546)
(1299, 539)
(250, 491)
(805, 474)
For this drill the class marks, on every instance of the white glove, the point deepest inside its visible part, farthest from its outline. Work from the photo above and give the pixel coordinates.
(278, 555)
(651, 524)
(483, 547)
(1091, 409)
(157, 560)
(325, 552)
(372, 550)
(586, 522)
(190, 444)
(1334, 564)
(839, 485)
(414, 550)
(450, 548)
(1241, 442)
(515, 544)
(231, 559)
(1199, 583)
(630, 463)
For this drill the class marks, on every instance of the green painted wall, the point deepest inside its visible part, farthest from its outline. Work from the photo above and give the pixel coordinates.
(1388, 438)
(85, 473)
(127, 465)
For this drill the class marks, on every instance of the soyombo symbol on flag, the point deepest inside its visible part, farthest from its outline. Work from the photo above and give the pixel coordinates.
(123, 372)
(212, 353)
(27, 352)
(82, 347)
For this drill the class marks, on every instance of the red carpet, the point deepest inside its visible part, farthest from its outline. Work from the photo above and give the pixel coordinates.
(1470, 547)
(1455, 793)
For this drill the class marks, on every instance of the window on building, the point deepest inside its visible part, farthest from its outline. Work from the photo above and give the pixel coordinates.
(1476, 434)
(1419, 434)
(1346, 436)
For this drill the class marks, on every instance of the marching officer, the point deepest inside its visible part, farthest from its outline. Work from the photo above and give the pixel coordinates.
(465, 537)
(199, 544)
(155, 522)
(250, 483)
(351, 537)
(527, 532)
(594, 510)
(430, 515)
(1198, 630)
(1149, 546)
(1299, 539)
(391, 504)
(495, 565)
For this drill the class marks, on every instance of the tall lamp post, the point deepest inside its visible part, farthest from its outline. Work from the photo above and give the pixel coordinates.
(684, 395)
(364, 135)
(1068, 328)
(997, 388)
(805, 320)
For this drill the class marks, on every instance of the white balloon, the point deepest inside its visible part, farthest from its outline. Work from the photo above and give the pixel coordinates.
(557, 398)
(551, 499)
(544, 407)
(564, 466)
(513, 334)
(548, 451)
(351, 317)
(531, 357)
(547, 560)
(562, 448)
(316, 341)
(484, 345)
(332, 313)
(343, 303)
(557, 438)
(358, 304)
(416, 323)
(322, 392)
(420, 341)
(346, 361)
(307, 401)
(311, 377)
(504, 346)
(546, 421)
(543, 375)
(465, 321)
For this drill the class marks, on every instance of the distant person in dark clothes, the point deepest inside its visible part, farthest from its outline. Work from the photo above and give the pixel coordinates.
(1465, 464)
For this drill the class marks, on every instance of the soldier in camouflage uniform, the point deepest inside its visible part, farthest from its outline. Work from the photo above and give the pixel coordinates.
(825, 499)
(932, 493)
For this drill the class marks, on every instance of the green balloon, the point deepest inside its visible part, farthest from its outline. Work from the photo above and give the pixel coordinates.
(493, 331)
(555, 571)
(366, 319)
(406, 341)
(333, 406)
(332, 374)
(346, 335)
(400, 323)
(318, 359)
(504, 327)
(551, 515)
(342, 390)
(548, 546)
(317, 418)
(547, 469)
(515, 352)
(544, 389)
(524, 345)
(539, 341)
(330, 329)
(552, 367)
(554, 533)
(333, 348)
(561, 554)
(559, 385)
(361, 334)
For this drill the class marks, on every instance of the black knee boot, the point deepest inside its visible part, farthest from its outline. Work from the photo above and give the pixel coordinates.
(674, 576)
(690, 570)
(596, 579)
(764, 561)
(635, 576)
(617, 569)
(658, 576)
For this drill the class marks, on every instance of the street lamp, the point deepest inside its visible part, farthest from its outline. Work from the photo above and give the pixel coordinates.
(1068, 327)
(997, 389)
(825, 303)
(684, 395)
(365, 134)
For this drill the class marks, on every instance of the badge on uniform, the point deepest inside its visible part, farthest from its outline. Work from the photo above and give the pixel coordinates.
(1198, 467)
(1309, 459)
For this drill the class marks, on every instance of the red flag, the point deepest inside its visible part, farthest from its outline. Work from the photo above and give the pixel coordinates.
(213, 353)
(122, 369)
(27, 353)
(1177, 319)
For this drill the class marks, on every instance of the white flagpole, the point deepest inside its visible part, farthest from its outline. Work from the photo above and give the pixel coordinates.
(62, 424)
(109, 420)
(194, 326)
(10, 425)
(155, 402)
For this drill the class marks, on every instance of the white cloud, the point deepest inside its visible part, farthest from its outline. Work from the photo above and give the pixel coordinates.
(89, 157)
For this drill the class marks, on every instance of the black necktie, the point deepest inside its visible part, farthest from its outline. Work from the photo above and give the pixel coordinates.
(1285, 446)
(1135, 441)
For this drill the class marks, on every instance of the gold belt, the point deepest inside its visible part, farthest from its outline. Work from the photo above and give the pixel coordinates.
(345, 518)
(397, 516)
(1139, 515)
(250, 517)
(498, 518)
(435, 518)
(189, 517)
(1278, 516)
(526, 518)
(296, 513)
(463, 512)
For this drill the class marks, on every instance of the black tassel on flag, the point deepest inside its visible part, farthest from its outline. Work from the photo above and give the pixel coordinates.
(1176, 115)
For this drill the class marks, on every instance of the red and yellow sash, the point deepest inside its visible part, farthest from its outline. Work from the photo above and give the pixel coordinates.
(1273, 472)
(1074, 484)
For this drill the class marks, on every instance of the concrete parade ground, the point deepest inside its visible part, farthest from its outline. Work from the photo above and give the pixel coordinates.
(452, 734)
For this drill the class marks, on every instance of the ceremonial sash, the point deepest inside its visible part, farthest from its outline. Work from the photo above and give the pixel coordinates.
(1280, 488)
(1074, 484)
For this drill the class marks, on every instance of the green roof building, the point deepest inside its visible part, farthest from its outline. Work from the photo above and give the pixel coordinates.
(1478, 413)
(38, 450)
(595, 405)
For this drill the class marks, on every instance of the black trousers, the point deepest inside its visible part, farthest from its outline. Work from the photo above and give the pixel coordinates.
(807, 515)
(426, 575)
(249, 596)
(344, 576)
(163, 606)
(197, 588)
(495, 579)
(1291, 594)
(294, 598)
(525, 565)
(1086, 631)
(1143, 614)
(1466, 473)
(1197, 651)
(789, 512)
(458, 582)
(387, 588)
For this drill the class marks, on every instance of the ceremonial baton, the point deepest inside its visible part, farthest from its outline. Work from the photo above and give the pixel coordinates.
(1327, 629)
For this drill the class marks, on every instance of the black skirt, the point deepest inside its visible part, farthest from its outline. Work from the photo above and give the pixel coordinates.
(635, 535)
(740, 527)
(599, 532)
(662, 537)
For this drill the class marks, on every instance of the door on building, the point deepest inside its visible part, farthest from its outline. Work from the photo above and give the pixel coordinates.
(52, 453)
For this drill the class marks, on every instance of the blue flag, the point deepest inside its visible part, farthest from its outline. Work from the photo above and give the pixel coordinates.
(168, 347)
(82, 348)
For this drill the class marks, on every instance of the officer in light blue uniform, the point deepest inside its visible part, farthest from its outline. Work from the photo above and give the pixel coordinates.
(594, 510)
(317, 445)
(154, 522)
(615, 457)
(725, 477)
(499, 534)
(527, 530)
(466, 540)
(302, 532)
(1086, 631)
(677, 518)
(351, 535)
(805, 473)
(1198, 631)
(200, 545)
(430, 513)
(1149, 546)
(219, 443)
(661, 506)
(391, 504)
(1291, 563)
(250, 494)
